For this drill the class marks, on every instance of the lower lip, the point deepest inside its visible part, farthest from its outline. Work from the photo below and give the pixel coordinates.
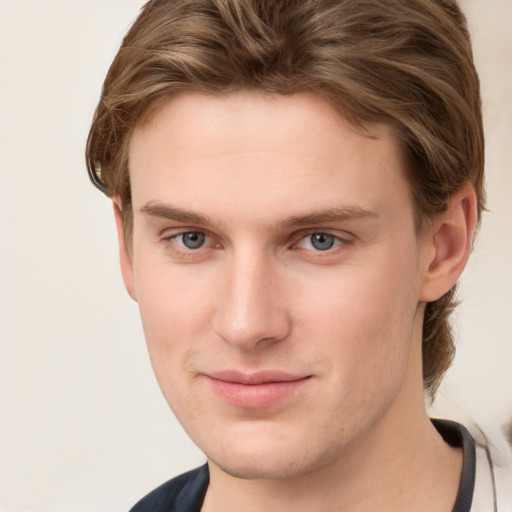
(256, 396)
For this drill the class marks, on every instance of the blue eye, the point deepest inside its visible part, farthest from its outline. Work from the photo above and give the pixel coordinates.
(322, 241)
(193, 239)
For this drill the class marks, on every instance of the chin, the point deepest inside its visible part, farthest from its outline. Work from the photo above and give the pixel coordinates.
(262, 468)
(273, 459)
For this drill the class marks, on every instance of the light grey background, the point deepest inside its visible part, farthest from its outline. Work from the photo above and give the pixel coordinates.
(83, 426)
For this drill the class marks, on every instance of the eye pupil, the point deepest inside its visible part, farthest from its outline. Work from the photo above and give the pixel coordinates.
(322, 241)
(193, 240)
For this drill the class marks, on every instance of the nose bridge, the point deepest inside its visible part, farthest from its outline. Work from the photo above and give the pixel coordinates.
(250, 309)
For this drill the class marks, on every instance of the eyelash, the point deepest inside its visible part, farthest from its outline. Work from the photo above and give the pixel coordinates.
(296, 240)
(179, 247)
(337, 240)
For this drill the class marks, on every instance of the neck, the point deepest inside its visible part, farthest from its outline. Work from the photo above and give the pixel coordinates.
(414, 472)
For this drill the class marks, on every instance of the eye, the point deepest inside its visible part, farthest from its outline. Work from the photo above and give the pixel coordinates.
(191, 239)
(320, 241)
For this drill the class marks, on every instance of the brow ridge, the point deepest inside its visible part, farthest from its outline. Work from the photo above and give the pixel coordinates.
(334, 214)
(328, 215)
(165, 211)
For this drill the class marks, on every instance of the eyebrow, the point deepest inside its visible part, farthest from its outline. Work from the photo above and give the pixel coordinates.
(328, 215)
(166, 211)
(335, 214)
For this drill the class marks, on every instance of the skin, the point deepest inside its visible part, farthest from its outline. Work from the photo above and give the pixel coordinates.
(257, 175)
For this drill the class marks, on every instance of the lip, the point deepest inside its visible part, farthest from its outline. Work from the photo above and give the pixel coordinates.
(255, 390)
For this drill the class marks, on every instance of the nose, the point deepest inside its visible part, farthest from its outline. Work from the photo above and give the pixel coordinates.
(252, 309)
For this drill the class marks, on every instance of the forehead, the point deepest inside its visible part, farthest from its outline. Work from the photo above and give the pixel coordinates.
(249, 111)
(276, 148)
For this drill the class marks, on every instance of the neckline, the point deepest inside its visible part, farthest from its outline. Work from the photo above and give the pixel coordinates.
(457, 435)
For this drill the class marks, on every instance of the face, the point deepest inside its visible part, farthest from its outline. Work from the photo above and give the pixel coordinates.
(278, 274)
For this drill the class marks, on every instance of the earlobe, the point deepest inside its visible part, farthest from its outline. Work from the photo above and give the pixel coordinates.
(125, 257)
(449, 245)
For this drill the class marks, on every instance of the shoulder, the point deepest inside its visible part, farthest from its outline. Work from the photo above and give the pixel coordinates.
(184, 493)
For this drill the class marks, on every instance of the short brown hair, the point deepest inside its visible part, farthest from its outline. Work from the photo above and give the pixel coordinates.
(404, 62)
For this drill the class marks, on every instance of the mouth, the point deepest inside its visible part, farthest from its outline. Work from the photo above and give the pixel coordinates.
(256, 390)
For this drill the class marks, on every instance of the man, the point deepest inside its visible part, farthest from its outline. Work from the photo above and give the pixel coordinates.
(296, 186)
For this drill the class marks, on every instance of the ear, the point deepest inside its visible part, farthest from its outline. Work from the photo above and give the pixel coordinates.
(125, 257)
(448, 245)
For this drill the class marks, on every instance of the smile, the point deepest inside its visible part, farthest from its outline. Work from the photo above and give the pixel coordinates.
(257, 390)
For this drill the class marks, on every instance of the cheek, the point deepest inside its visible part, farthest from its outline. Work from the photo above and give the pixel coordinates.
(175, 308)
(359, 299)
(363, 317)
(171, 298)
